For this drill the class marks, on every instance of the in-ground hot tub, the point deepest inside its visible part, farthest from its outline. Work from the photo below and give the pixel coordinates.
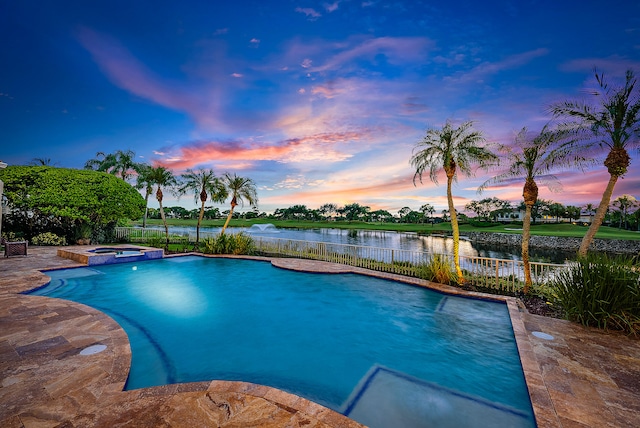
(111, 255)
(119, 252)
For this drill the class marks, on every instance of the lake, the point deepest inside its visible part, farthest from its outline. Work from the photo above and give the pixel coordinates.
(395, 240)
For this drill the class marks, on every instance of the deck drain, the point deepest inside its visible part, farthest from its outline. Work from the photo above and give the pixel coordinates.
(93, 349)
(542, 335)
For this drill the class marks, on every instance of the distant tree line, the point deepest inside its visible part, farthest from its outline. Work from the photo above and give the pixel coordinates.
(623, 213)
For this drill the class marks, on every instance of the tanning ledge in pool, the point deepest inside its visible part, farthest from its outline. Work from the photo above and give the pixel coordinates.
(385, 397)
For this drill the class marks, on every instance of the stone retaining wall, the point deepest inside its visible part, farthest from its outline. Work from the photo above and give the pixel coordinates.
(555, 242)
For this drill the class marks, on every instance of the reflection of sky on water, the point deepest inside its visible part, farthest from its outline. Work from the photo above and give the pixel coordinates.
(399, 241)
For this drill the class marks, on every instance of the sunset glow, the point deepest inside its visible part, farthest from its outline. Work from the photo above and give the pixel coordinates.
(316, 102)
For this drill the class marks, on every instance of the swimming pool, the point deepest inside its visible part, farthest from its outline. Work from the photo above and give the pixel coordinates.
(331, 338)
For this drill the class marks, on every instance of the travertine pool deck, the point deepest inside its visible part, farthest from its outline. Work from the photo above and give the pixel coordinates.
(582, 378)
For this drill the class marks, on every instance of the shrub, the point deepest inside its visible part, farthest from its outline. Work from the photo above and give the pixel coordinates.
(48, 238)
(477, 223)
(602, 291)
(239, 243)
(156, 241)
(439, 269)
(12, 237)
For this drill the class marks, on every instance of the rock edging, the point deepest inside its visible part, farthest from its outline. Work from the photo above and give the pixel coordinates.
(561, 243)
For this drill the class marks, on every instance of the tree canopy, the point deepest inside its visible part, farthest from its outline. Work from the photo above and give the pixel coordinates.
(43, 198)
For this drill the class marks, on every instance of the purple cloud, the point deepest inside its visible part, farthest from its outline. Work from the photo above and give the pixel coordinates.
(309, 12)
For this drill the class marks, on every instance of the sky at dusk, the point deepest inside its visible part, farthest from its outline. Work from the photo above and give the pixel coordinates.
(316, 101)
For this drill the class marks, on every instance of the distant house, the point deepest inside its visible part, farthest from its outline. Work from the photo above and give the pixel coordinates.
(518, 215)
(586, 217)
(509, 216)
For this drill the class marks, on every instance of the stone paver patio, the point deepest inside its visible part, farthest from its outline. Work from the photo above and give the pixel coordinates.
(582, 378)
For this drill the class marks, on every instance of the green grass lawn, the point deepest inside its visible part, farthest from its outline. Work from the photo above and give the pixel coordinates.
(551, 229)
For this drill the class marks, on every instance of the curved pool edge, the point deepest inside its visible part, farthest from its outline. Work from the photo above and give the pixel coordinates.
(108, 401)
(47, 381)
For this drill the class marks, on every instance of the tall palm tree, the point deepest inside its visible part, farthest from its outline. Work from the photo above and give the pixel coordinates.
(452, 149)
(144, 181)
(203, 183)
(614, 122)
(161, 177)
(533, 159)
(240, 189)
(121, 163)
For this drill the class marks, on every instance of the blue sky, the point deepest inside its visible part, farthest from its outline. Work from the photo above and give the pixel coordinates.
(316, 101)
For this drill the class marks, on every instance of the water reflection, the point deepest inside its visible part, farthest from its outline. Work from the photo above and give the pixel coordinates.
(398, 241)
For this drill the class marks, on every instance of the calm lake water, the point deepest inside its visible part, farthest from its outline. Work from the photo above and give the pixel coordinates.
(394, 240)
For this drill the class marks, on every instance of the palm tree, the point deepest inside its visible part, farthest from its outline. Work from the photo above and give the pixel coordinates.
(427, 211)
(451, 149)
(143, 181)
(614, 123)
(240, 188)
(590, 208)
(162, 177)
(533, 159)
(41, 162)
(102, 162)
(121, 163)
(203, 183)
(327, 209)
(623, 203)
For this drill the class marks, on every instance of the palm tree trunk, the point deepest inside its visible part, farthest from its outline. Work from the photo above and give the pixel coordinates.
(146, 209)
(164, 219)
(226, 223)
(526, 234)
(198, 225)
(601, 212)
(456, 231)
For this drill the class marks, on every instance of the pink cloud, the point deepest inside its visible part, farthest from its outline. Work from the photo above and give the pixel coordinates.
(318, 148)
(128, 73)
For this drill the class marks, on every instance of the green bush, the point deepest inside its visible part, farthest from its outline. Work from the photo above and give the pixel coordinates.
(478, 223)
(156, 241)
(48, 238)
(239, 243)
(12, 237)
(602, 291)
(438, 269)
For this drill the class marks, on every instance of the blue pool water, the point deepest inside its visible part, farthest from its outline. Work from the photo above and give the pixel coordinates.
(315, 335)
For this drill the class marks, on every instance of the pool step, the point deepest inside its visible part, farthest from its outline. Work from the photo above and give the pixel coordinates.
(387, 398)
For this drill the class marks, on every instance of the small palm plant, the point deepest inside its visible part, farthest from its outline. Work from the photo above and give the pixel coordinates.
(438, 269)
(601, 291)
